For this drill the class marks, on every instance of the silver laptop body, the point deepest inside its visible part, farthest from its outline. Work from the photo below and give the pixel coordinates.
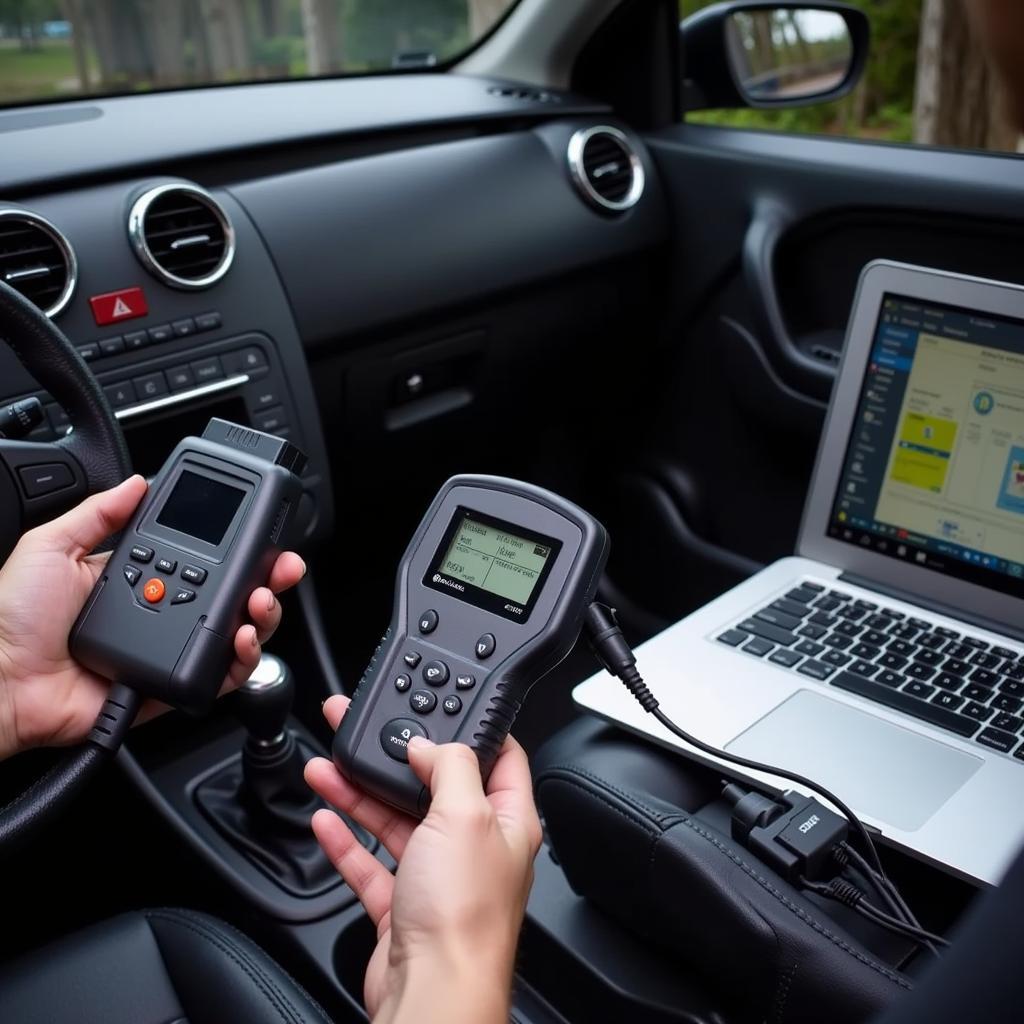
(885, 660)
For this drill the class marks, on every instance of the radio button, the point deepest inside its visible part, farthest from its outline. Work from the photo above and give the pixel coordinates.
(180, 377)
(452, 705)
(428, 621)
(152, 385)
(465, 682)
(165, 565)
(89, 352)
(485, 646)
(422, 701)
(183, 596)
(395, 736)
(136, 339)
(140, 553)
(161, 333)
(111, 346)
(208, 321)
(270, 420)
(246, 359)
(193, 574)
(207, 370)
(402, 682)
(412, 658)
(265, 399)
(132, 573)
(154, 590)
(435, 673)
(183, 328)
(121, 394)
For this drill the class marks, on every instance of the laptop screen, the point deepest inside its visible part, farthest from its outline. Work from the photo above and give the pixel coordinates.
(934, 467)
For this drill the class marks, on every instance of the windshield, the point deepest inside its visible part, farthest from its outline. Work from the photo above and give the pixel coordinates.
(54, 49)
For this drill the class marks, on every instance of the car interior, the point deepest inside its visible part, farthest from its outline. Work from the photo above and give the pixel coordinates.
(522, 262)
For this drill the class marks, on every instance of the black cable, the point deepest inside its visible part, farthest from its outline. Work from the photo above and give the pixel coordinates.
(617, 657)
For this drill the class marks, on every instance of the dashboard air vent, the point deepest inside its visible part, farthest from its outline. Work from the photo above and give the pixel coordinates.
(182, 235)
(525, 93)
(36, 260)
(606, 168)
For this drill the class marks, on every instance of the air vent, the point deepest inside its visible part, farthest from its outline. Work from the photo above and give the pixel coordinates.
(37, 260)
(524, 93)
(606, 168)
(182, 235)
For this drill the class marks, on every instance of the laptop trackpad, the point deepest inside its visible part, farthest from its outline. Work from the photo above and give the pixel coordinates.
(878, 768)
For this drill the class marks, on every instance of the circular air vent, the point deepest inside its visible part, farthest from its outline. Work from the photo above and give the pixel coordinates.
(37, 260)
(606, 168)
(182, 235)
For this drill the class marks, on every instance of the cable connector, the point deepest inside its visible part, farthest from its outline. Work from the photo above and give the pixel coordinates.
(115, 718)
(612, 650)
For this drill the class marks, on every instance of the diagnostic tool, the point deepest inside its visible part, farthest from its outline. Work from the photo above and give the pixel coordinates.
(490, 596)
(163, 616)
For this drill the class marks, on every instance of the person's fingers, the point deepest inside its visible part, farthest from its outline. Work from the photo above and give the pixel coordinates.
(372, 883)
(247, 657)
(510, 792)
(265, 612)
(80, 530)
(334, 710)
(287, 571)
(451, 771)
(391, 827)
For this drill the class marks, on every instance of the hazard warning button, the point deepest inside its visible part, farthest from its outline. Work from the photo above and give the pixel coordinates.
(113, 307)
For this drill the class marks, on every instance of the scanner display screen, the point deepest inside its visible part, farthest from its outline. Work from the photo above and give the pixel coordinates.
(492, 564)
(201, 507)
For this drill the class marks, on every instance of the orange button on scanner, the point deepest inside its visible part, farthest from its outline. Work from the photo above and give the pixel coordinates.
(154, 591)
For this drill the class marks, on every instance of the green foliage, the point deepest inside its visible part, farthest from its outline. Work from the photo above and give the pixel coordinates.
(881, 107)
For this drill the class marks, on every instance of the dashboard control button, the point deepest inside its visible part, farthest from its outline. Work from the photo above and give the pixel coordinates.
(46, 478)
(167, 565)
(154, 590)
(140, 553)
(193, 574)
(206, 370)
(270, 420)
(161, 333)
(435, 673)
(422, 701)
(452, 705)
(485, 646)
(183, 595)
(180, 378)
(412, 658)
(132, 573)
(135, 340)
(465, 682)
(208, 321)
(89, 352)
(152, 385)
(183, 328)
(111, 346)
(113, 307)
(402, 682)
(428, 621)
(265, 399)
(245, 359)
(119, 395)
(395, 736)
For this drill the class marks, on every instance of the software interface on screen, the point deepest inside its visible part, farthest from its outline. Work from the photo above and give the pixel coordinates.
(934, 470)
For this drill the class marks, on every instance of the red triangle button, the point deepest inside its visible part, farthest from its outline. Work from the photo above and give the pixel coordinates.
(113, 307)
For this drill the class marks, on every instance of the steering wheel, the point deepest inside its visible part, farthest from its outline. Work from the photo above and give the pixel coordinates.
(40, 480)
(91, 458)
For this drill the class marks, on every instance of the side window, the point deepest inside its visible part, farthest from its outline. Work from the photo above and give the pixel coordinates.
(927, 81)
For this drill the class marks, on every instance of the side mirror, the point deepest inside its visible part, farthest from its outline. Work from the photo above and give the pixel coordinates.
(772, 55)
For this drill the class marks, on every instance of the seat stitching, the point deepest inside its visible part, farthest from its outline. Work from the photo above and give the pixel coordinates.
(651, 831)
(656, 817)
(258, 976)
(241, 949)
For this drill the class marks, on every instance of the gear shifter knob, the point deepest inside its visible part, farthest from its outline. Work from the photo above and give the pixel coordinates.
(264, 700)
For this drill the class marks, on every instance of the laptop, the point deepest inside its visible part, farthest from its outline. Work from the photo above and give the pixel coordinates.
(885, 660)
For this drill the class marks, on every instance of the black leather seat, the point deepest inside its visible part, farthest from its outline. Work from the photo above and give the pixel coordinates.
(153, 967)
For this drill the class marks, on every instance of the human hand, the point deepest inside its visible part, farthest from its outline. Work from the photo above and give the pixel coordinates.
(46, 697)
(448, 921)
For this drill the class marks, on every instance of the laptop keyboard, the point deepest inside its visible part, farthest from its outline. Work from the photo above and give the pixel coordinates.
(953, 680)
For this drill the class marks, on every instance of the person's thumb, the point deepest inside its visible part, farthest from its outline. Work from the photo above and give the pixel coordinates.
(79, 531)
(450, 771)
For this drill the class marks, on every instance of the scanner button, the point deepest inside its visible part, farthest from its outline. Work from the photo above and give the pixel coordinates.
(452, 705)
(412, 658)
(466, 682)
(428, 621)
(165, 565)
(132, 573)
(395, 736)
(139, 553)
(485, 646)
(422, 701)
(193, 574)
(183, 596)
(402, 682)
(435, 673)
(154, 590)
